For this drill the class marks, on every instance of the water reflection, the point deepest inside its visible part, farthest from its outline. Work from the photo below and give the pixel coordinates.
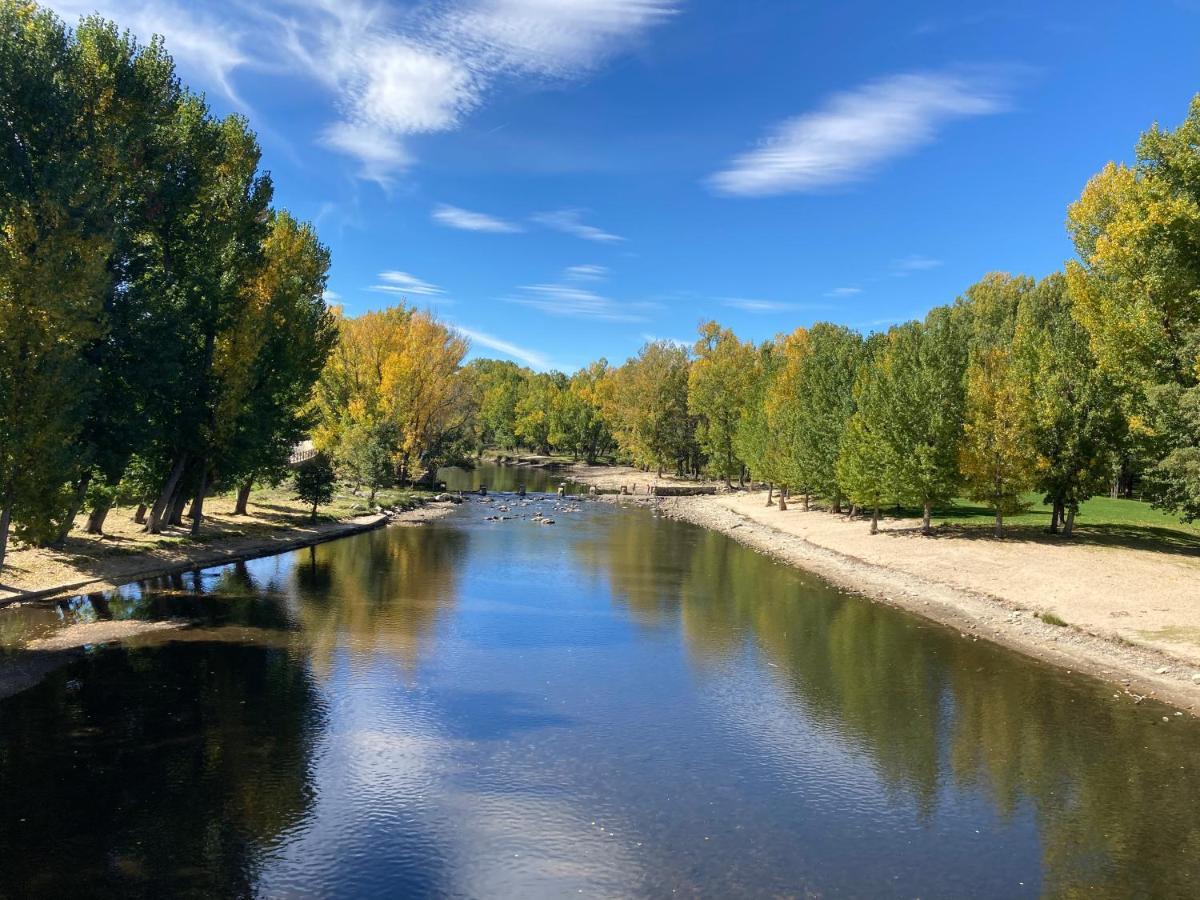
(382, 594)
(154, 774)
(620, 704)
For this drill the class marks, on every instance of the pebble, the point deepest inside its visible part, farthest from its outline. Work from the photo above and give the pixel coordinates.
(1163, 671)
(1196, 678)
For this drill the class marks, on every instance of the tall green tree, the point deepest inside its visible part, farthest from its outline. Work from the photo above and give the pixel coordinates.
(53, 247)
(718, 384)
(865, 455)
(1069, 406)
(1137, 231)
(824, 405)
(755, 441)
(646, 400)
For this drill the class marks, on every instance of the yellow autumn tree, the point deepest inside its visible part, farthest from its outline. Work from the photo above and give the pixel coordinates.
(996, 457)
(392, 400)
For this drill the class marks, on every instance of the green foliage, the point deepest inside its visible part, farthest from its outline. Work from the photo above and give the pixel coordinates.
(718, 384)
(824, 405)
(1137, 231)
(314, 482)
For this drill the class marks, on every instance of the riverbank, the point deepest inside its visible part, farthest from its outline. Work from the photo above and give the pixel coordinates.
(1131, 613)
(275, 522)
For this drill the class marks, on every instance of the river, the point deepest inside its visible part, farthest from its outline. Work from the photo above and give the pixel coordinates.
(614, 705)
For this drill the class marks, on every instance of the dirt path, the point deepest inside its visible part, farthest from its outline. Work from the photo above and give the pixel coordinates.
(1132, 614)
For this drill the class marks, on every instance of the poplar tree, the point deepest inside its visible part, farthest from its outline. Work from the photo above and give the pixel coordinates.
(718, 383)
(824, 405)
(1137, 231)
(1069, 406)
(864, 462)
(53, 248)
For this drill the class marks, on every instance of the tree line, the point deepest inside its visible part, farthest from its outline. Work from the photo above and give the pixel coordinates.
(1081, 382)
(161, 324)
(164, 334)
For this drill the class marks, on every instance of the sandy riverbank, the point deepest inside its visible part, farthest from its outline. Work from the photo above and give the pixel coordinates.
(1133, 614)
(124, 553)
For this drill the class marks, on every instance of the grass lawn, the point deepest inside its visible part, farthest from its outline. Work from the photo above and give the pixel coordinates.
(1101, 520)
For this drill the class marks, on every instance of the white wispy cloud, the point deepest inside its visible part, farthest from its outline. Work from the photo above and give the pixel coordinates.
(557, 38)
(390, 71)
(531, 358)
(571, 301)
(855, 132)
(466, 220)
(844, 292)
(909, 264)
(570, 221)
(404, 284)
(586, 273)
(747, 304)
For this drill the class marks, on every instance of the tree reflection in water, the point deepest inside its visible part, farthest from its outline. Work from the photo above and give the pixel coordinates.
(929, 708)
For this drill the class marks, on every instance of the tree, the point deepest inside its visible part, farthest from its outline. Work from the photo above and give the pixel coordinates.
(824, 405)
(646, 400)
(718, 383)
(395, 376)
(53, 247)
(582, 422)
(917, 414)
(754, 441)
(783, 414)
(497, 386)
(271, 356)
(996, 456)
(1137, 232)
(864, 460)
(314, 482)
(535, 410)
(1069, 406)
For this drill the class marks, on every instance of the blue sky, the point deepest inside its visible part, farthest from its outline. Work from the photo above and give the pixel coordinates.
(562, 179)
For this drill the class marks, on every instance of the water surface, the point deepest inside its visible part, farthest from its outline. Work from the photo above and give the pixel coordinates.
(615, 705)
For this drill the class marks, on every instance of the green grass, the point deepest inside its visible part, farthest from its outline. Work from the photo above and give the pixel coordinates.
(1101, 521)
(1051, 619)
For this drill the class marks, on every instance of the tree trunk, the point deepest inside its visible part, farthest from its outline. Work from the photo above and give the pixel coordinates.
(95, 522)
(139, 517)
(178, 504)
(76, 504)
(160, 509)
(806, 499)
(837, 505)
(770, 493)
(5, 518)
(243, 497)
(198, 503)
(783, 498)
(999, 524)
(1054, 513)
(1069, 524)
(875, 519)
(314, 512)
(928, 513)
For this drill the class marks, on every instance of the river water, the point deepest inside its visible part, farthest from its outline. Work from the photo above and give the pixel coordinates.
(615, 705)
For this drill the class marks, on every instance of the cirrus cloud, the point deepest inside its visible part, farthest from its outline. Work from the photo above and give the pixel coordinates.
(467, 220)
(857, 131)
